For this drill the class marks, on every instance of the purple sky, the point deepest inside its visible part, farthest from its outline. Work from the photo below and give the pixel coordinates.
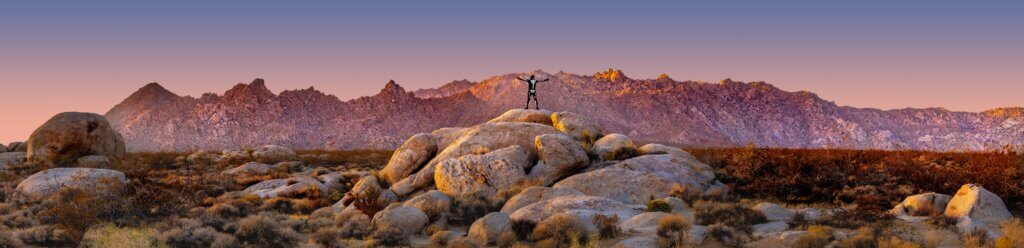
(87, 56)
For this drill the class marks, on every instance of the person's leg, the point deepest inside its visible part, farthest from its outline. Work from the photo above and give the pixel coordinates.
(536, 104)
(528, 101)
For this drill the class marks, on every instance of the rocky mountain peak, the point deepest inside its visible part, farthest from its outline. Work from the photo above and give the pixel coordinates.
(392, 88)
(256, 90)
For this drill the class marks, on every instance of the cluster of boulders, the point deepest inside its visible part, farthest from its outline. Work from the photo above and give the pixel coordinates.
(973, 207)
(562, 162)
(74, 149)
(262, 154)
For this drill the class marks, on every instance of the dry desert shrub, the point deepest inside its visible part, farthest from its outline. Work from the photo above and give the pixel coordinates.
(387, 237)
(328, 237)
(863, 238)
(466, 209)
(1013, 234)
(728, 236)
(8, 240)
(607, 226)
(506, 239)
(523, 229)
(191, 233)
(674, 231)
(354, 158)
(730, 214)
(816, 237)
(262, 231)
(440, 238)
(46, 236)
(894, 242)
(976, 239)
(353, 224)
(562, 230)
(120, 237)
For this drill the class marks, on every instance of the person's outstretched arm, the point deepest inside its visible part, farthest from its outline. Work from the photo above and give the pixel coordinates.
(520, 79)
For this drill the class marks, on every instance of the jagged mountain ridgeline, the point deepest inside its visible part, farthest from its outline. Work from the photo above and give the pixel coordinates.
(662, 110)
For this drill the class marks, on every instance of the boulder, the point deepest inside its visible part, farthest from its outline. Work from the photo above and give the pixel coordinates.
(525, 115)
(922, 205)
(977, 209)
(273, 154)
(582, 207)
(202, 157)
(236, 155)
(560, 155)
(448, 135)
(47, 182)
(250, 168)
(432, 203)
(286, 187)
(611, 146)
(17, 147)
(409, 157)
(774, 212)
(71, 135)
(683, 156)
(482, 175)
(646, 223)
(485, 230)
(623, 185)
(93, 161)
(669, 167)
(12, 160)
(477, 140)
(535, 194)
(408, 220)
(774, 228)
(576, 126)
(638, 242)
(3, 148)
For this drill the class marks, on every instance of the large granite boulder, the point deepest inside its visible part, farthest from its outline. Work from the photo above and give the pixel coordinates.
(576, 126)
(12, 160)
(612, 146)
(408, 220)
(273, 154)
(71, 135)
(674, 168)
(485, 230)
(448, 135)
(479, 139)
(623, 185)
(47, 182)
(582, 207)
(482, 175)
(536, 194)
(525, 115)
(287, 187)
(977, 209)
(560, 155)
(684, 157)
(409, 157)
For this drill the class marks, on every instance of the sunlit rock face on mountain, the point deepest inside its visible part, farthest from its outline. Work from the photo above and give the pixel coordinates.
(661, 110)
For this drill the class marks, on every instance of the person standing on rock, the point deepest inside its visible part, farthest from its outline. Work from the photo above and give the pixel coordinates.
(532, 94)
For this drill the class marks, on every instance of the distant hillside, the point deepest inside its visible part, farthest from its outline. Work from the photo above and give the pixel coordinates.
(658, 110)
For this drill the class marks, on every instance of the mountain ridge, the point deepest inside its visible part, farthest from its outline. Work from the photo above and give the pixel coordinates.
(727, 113)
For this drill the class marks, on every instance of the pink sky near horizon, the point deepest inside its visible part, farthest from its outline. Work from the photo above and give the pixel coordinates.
(89, 58)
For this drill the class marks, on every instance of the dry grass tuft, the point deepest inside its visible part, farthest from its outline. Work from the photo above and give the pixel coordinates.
(731, 214)
(816, 237)
(562, 229)
(1013, 234)
(674, 231)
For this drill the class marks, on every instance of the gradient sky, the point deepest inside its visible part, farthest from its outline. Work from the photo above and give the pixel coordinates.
(60, 56)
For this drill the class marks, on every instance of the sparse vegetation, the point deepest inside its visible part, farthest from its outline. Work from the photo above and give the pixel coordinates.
(673, 231)
(731, 214)
(562, 230)
(1013, 234)
(607, 226)
(816, 237)
(659, 205)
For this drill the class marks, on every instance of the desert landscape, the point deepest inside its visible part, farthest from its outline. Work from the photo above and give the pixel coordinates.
(519, 178)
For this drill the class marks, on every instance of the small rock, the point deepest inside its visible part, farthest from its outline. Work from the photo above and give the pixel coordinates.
(576, 126)
(286, 187)
(17, 147)
(646, 223)
(610, 145)
(559, 155)
(408, 220)
(485, 231)
(922, 205)
(236, 155)
(769, 229)
(202, 157)
(774, 212)
(977, 209)
(273, 154)
(250, 168)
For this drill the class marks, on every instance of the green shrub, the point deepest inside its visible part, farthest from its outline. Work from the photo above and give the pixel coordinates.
(659, 205)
